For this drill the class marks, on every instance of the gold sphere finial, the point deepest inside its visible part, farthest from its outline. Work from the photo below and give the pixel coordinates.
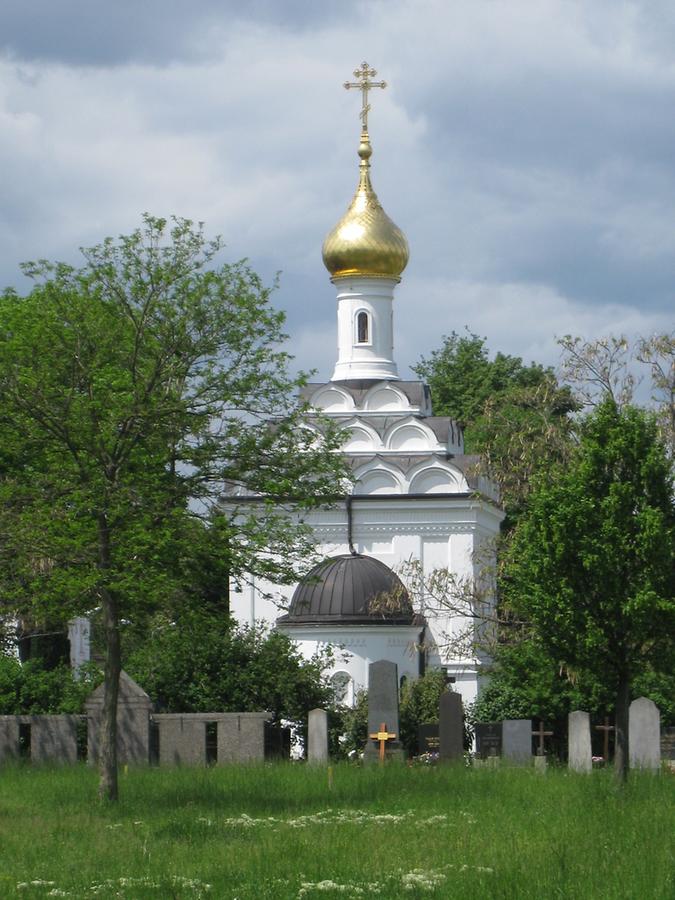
(365, 241)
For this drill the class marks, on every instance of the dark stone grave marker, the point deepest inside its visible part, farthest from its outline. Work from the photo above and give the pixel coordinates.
(488, 739)
(383, 709)
(428, 738)
(451, 727)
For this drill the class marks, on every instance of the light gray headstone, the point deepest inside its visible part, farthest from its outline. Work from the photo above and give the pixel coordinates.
(451, 727)
(579, 754)
(317, 736)
(383, 707)
(53, 739)
(133, 722)
(644, 735)
(517, 741)
(9, 738)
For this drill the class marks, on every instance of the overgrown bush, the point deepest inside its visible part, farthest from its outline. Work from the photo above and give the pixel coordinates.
(203, 663)
(31, 689)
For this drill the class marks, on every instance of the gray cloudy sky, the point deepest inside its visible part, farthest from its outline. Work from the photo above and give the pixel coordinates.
(527, 149)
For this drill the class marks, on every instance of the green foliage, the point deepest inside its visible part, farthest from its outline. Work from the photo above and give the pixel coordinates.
(202, 663)
(128, 387)
(462, 378)
(515, 416)
(135, 393)
(31, 689)
(592, 565)
(526, 683)
(419, 705)
(348, 728)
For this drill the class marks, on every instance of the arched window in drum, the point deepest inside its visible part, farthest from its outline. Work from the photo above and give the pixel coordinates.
(362, 328)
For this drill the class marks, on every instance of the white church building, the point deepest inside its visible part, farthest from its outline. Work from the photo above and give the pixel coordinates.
(416, 495)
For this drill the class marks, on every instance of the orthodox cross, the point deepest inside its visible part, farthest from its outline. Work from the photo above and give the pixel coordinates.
(364, 73)
(541, 734)
(382, 736)
(606, 728)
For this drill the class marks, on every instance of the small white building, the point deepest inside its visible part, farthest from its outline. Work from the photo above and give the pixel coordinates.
(416, 495)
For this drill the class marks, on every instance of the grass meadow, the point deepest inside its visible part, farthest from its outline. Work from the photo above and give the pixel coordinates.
(278, 831)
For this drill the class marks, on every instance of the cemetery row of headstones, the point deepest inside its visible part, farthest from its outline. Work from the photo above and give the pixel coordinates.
(510, 740)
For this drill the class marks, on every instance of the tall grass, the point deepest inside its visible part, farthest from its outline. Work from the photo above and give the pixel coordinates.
(277, 831)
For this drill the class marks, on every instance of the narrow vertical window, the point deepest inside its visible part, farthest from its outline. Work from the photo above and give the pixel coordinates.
(362, 336)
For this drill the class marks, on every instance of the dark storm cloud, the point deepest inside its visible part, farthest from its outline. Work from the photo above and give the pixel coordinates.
(526, 149)
(94, 32)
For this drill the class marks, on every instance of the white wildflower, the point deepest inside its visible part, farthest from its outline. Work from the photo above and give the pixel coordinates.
(419, 879)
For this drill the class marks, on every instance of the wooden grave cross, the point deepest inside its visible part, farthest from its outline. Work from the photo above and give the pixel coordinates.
(606, 728)
(541, 734)
(382, 736)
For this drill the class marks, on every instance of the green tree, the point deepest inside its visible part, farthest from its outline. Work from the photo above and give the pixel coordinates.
(420, 700)
(31, 688)
(133, 392)
(591, 565)
(515, 416)
(200, 662)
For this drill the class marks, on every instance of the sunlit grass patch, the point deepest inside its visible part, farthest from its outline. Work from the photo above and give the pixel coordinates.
(278, 831)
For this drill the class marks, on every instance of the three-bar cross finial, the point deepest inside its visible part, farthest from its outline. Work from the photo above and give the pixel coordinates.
(364, 74)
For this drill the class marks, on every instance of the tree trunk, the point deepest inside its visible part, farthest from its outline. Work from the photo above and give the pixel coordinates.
(621, 728)
(108, 786)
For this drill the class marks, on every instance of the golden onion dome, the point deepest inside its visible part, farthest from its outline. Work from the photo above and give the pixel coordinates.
(365, 241)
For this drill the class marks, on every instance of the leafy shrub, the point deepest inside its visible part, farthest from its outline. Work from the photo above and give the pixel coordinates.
(31, 689)
(203, 663)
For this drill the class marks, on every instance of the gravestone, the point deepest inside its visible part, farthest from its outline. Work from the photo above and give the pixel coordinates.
(451, 727)
(317, 736)
(428, 739)
(644, 735)
(133, 722)
(53, 739)
(517, 741)
(579, 753)
(9, 738)
(668, 746)
(383, 710)
(488, 739)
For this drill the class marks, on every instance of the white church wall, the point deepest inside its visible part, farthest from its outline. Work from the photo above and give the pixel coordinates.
(439, 532)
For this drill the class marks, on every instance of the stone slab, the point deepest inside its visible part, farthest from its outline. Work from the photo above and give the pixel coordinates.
(644, 735)
(317, 736)
(53, 739)
(488, 739)
(9, 738)
(517, 741)
(451, 727)
(383, 708)
(182, 740)
(241, 737)
(579, 752)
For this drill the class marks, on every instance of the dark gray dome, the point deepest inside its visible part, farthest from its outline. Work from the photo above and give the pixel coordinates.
(348, 590)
